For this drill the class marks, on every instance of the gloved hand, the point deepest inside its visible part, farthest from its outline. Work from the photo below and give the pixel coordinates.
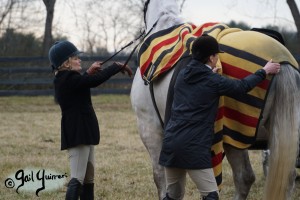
(124, 69)
(96, 66)
(127, 69)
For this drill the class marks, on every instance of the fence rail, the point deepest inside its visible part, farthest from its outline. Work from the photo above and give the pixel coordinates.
(32, 77)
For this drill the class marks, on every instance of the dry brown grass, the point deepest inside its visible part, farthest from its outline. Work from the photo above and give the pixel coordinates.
(30, 138)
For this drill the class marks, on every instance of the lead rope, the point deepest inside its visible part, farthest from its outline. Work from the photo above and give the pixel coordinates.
(127, 45)
(142, 35)
(130, 55)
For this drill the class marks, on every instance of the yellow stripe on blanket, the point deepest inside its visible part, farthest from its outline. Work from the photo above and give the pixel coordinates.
(237, 126)
(259, 45)
(242, 107)
(236, 143)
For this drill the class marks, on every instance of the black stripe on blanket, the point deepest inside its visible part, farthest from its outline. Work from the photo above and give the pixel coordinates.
(244, 55)
(237, 136)
(221, 27)
(249, 100)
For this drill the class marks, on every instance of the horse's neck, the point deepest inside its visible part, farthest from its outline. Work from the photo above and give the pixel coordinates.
(165, 13)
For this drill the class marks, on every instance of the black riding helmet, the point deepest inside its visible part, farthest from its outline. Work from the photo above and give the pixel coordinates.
(205, 46)
(60, 52)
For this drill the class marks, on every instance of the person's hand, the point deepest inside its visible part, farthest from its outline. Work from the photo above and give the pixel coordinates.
(272, 68)
(96, 66)
(125, 69)
(216, 69)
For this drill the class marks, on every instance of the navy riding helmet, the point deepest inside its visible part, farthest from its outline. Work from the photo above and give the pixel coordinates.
(60, 52)
(204, 46)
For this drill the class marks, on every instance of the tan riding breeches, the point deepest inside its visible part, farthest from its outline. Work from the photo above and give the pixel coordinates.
(82, 163)
(176, 180)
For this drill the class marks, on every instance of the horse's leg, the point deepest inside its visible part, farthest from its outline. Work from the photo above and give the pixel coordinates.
(152, 141)
(149, 129)
(243, 175)
(265, 161)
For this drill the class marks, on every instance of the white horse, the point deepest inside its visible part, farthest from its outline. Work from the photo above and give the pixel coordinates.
(281, 118)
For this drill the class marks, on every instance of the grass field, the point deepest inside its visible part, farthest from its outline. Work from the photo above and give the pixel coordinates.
(30, 139)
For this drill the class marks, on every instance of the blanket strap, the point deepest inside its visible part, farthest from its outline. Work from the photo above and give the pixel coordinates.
(178, 66)
(155, 105)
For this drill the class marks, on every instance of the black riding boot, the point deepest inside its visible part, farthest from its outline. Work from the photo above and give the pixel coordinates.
(73, 190)
(167, 197)
(87, 192)
(211, 196)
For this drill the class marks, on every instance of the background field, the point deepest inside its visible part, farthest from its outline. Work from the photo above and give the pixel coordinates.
(30, 138)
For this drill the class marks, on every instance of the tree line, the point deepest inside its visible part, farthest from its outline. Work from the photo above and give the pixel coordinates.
(102, 22)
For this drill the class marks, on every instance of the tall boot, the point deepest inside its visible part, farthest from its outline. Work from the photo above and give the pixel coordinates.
(87, 192)
(73, 191)
(212, 196)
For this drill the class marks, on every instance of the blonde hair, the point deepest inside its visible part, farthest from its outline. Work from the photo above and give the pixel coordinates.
(64, 66)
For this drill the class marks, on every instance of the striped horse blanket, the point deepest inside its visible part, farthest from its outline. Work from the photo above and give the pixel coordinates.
(238, 116)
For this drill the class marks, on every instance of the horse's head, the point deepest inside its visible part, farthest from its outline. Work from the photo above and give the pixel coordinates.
(165, 12)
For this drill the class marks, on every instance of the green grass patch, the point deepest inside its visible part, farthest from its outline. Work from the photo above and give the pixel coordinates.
(30, 138)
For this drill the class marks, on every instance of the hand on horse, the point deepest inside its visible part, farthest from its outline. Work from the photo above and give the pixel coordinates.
(96, 66)
(272, 68)
(125, 69)
(216, 69)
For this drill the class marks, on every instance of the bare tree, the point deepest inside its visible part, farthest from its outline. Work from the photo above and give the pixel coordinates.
(296, 15)
(5, 8)
(48, 39)
(111, 24)
(13, 14)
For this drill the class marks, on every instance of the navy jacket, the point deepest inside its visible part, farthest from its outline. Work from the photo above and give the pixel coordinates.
(79, 124)
(189, 133)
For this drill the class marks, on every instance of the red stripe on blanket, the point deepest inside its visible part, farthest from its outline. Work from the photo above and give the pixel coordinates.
(156, 48)
(217, 159)
(220, 113)
(239, 73)
(200, 30)
(172, 61)
(176, 55)
(238, 116)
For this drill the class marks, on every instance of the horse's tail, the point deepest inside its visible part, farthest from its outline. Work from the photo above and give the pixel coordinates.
(284, 138)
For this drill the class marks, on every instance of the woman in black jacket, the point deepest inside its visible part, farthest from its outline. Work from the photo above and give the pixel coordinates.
(79, 124)
(189, 133)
